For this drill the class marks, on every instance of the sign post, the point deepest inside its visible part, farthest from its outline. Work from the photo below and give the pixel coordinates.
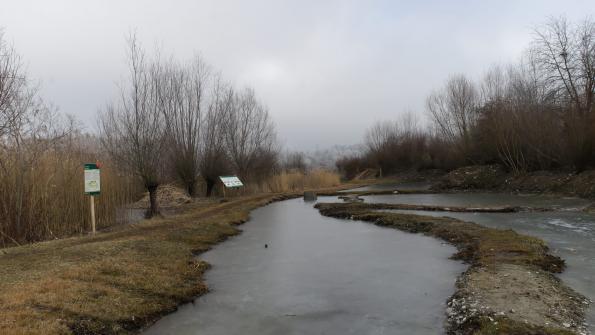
(93, 213)
(230, 182)
(92, 187)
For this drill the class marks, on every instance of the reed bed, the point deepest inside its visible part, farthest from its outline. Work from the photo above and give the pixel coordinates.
(297, 180)
(42, 195)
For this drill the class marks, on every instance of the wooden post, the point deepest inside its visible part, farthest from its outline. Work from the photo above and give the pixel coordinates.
(93, 213)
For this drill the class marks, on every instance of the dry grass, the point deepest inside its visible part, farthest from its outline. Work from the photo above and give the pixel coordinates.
(505, 326)
(116, 282)
(42, 197)
(298, 181)
(285, 181)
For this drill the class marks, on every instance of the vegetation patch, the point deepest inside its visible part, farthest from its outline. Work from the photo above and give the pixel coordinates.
(494, 178)
(509, 283)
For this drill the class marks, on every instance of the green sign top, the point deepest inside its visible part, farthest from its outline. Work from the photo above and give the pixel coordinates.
(91, 166)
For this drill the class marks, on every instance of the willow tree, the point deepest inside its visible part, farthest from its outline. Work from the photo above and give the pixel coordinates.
(184, 96)
(214, 160)
(250, 136)
(132, 128)
(454, 111)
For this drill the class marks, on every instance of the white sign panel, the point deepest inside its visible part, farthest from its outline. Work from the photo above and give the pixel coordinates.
(92, 181)
(231, 181)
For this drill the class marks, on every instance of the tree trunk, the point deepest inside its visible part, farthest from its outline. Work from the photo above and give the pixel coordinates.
(154, 207)
(210, 186)
(191, 188)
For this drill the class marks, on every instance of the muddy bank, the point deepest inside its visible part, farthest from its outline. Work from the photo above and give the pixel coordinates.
(495, 178)
(493, 295)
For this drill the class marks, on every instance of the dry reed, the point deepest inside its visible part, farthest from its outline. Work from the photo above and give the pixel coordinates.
(42, 195)
(297, 180)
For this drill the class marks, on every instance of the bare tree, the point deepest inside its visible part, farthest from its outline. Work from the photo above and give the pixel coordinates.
(295, 160)
(13, 85)
(534, 115)
(566, 54)
(454, 110)
(184, 101)
(249, 134)
(132, 129)
(378, 135)
(397, 145)
(214, 161)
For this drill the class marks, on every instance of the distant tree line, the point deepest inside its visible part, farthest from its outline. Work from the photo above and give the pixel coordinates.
(182, 121)
(537, 114)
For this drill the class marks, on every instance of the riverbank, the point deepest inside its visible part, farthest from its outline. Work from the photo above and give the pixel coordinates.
(495, 178)
(120, 281)
(493, 295)
(124, 279)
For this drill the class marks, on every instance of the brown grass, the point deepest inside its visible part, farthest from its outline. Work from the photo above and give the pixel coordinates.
(42, 197)
(506, 326)
(289, 181)
(285, 181)
(116, 282)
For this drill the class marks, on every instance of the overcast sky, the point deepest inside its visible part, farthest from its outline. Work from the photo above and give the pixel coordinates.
(326, 69)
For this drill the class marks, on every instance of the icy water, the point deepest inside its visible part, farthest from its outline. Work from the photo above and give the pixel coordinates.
(569, 232)
(319, 275)
(416, 185)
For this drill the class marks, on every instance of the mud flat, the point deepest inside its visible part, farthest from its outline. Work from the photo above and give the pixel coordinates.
(509, 287)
